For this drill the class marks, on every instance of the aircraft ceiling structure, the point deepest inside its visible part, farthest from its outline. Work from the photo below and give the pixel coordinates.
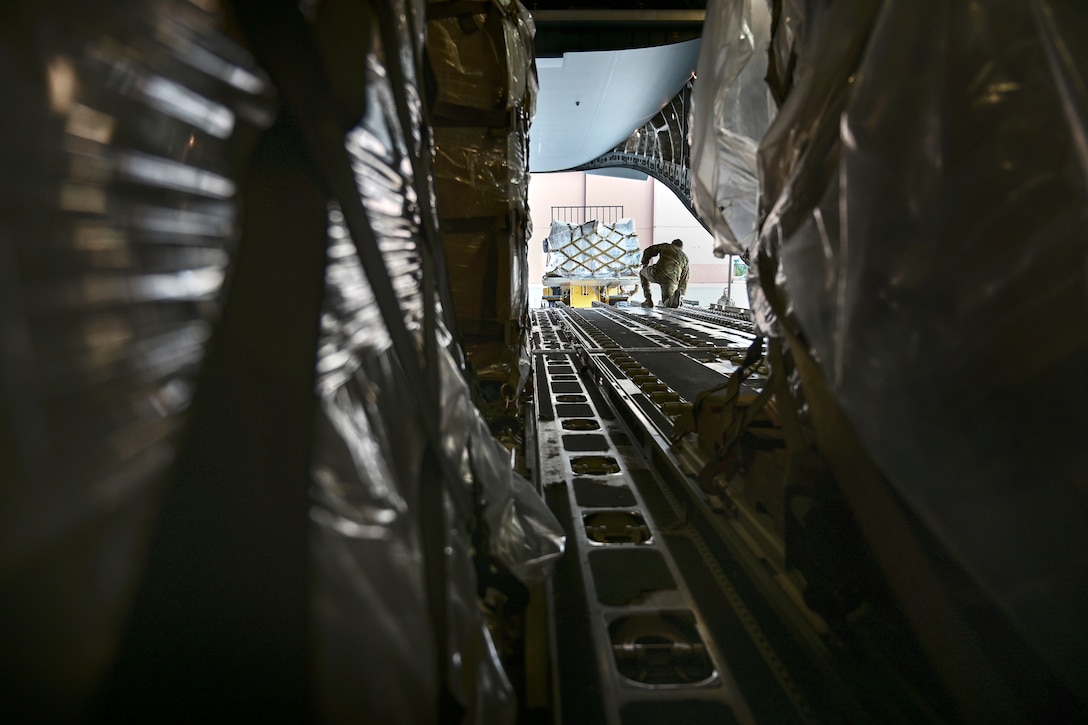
(591, 101)
(603, 72)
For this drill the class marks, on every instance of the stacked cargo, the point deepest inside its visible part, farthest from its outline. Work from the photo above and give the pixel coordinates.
(917, 247)
(482, 58)
(246, 533)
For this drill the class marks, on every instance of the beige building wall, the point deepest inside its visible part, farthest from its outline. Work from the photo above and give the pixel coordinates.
(636, 198)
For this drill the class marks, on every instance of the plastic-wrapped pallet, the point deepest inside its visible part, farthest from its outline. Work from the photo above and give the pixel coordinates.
(372, 473)
(482, 54)
(480, 172)
(483, 294)
(731, 109)
(481, 183)
(922, 236)
(119, 149)
(593, 250)
(276, 578)
(482, 59)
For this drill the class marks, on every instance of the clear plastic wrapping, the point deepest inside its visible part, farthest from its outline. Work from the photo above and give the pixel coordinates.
(482, 56)
(521, 60)
(486, 87)
(925, 200)
(480, 172)
(128, 126)
(484, 271)
(525, 537)
(731, 109)
(367, 558)
(120, 143)
(367, 534)
(593, 249)
(367, 539)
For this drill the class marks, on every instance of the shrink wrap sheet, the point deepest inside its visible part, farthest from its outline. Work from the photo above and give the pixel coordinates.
(120, 143)
(482, 55)
(482, 296)
(129, 128)
(925, 199)
(485, 79)
(593, 249)
(368, 538)
(480, 172)
(731, 109)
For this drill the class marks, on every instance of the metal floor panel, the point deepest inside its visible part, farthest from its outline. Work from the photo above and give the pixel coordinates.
(631, 626)
(654, 618)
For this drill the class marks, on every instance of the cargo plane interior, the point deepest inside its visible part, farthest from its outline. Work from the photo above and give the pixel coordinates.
(282, 439)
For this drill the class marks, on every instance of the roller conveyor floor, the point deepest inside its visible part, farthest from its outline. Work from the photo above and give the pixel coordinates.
(666, 610)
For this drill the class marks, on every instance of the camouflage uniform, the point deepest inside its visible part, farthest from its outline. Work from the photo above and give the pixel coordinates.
(671, 272)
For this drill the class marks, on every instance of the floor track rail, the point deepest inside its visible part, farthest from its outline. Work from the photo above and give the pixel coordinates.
(673, 622)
